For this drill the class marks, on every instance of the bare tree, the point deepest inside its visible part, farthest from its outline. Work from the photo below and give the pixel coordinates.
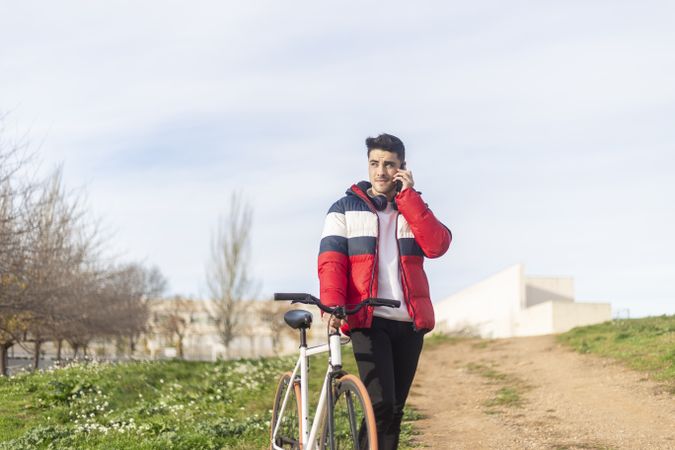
(175, 321)
(227, 271)
(129, 289)
(14, 206)
(57, 252)
(53, 284)
(272, 315)
(42, 247)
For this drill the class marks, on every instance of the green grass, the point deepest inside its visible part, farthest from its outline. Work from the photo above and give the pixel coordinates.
(506, 396)
(151, 405)
(482, 344)
(439, 338)
(173, 404)
(510, 391)
(646, 344)
(488, 372)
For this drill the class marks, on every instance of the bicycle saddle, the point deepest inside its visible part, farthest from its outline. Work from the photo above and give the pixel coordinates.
(298, 318)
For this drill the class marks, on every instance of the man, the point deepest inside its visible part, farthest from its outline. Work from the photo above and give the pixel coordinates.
(373, 245)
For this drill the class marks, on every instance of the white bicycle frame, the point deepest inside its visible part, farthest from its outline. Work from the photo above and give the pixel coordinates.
(309, 437)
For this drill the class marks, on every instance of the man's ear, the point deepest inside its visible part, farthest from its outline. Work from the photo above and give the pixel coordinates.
(403, 165)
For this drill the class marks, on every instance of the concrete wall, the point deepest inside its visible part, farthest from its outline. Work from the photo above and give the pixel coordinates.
(569, 315)
(535, 320)
(510, 304)
(487, 308)
(560, 316)
(544, 289)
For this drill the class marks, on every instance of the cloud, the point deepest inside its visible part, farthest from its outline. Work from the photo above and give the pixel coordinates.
(540, 133)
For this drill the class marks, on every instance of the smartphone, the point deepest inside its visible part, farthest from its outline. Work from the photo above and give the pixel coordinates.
(399, 183)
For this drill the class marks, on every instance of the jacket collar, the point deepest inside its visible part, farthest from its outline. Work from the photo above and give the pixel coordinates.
(360, 190)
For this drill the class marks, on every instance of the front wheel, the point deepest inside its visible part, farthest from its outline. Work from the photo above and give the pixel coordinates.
(288, 435)
(353, 417)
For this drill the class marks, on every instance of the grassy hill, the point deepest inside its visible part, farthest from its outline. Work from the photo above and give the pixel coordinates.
(646, 344)
(148, 405)
(184, 405)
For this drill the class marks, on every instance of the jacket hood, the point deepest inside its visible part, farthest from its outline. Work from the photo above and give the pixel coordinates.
(362, 185)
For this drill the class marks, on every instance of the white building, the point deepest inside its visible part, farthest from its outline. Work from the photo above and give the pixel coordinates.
(261, 324)
(510, 303)
(178, 322)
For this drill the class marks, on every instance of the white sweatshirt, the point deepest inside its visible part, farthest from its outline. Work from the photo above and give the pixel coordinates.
(388, 274)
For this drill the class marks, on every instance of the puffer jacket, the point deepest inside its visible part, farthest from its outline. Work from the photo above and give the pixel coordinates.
(348, 254)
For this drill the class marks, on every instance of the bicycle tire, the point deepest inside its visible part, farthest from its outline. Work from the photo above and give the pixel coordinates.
(290, 430)
(354, 420)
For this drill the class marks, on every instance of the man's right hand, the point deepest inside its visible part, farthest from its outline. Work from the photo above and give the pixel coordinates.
(334, 324)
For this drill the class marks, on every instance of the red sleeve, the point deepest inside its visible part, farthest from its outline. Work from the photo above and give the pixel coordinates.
(431, 235)
(333, 260)
(333, 278)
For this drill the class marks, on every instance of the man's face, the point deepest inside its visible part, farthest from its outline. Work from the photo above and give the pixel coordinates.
(382, 166)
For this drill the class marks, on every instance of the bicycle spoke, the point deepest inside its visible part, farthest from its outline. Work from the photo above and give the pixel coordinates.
(352, 419)
(354, 422)
(288, 420)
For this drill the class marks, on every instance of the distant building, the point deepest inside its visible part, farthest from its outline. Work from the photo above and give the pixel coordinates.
(177, 322)
(262, 325)
(510, 303)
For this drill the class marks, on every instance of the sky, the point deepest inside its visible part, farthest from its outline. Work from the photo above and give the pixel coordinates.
(539, 132)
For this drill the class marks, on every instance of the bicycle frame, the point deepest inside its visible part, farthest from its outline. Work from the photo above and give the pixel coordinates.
(334, 349)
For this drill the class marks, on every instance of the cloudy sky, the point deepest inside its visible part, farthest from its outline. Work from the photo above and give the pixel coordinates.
(539, 132)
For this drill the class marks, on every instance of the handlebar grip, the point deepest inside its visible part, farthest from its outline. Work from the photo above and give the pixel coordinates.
(290, 296)
(385, 302)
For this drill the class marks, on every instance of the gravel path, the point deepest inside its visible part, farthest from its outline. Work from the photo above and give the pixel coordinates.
(532, 393)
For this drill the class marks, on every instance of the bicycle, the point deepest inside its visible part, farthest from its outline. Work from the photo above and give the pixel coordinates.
(344, 414)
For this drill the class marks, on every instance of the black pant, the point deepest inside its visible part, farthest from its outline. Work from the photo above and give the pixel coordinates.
(386, 355)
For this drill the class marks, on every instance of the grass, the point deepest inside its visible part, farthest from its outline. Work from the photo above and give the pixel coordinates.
(488, 372)
(482, 344)
(440, 338)
(151, 405)
(510, 391)
(506, 396)
(173, 404)
(580, 446)
(646, 344)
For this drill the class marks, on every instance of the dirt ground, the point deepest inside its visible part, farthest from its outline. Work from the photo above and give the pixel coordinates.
(532, 393)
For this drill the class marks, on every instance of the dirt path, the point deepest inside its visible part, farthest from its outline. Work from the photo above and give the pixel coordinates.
(532, 393)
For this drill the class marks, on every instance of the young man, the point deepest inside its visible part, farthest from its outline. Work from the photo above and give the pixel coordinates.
(373, 245)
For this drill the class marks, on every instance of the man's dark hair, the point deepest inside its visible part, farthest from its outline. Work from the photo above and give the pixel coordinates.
(387, 142)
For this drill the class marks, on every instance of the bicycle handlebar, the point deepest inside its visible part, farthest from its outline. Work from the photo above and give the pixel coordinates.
(291, 296)
(338, 311)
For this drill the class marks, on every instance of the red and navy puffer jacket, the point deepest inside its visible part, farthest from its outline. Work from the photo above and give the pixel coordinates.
(348, 254)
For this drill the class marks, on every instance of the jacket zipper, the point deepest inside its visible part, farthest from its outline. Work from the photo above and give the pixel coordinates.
(377, 244)
(376, 262)
(406, 289)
